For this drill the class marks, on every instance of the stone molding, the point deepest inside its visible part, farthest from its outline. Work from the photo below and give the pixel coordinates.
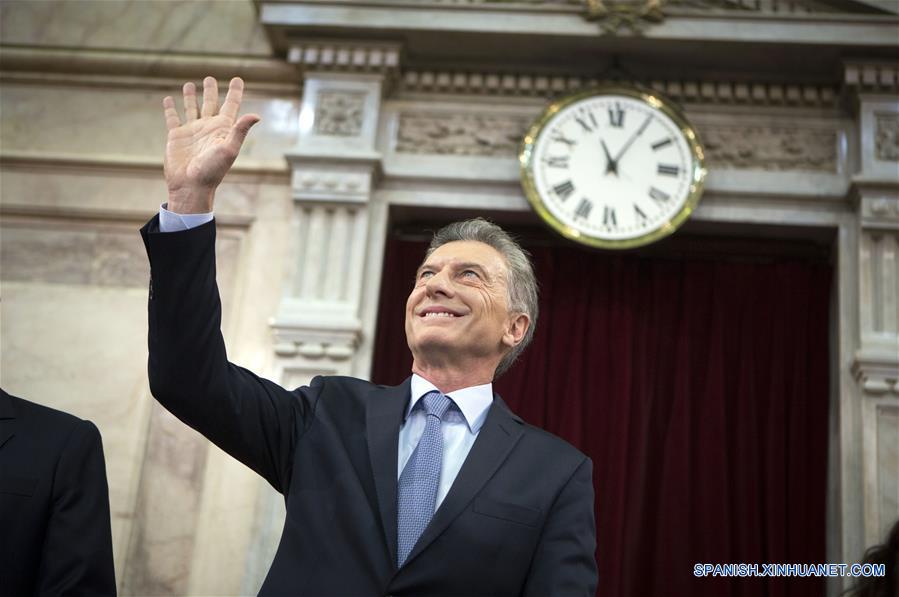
(877, 375)
(295, 338)
(143, 69)
(872, 77)
(124, 163)
(687, 91)
(371, 57)
(748, 146)
(598, 8)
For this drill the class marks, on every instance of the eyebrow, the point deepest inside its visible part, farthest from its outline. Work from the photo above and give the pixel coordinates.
(458, 266)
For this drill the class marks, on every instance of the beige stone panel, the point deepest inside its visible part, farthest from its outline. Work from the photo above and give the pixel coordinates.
(210, 26)
(82, 349)
(118, 124)
(888, 466)
(62, 253)
(51, 187)
(161, 542)
(225, 531)
(160, 550)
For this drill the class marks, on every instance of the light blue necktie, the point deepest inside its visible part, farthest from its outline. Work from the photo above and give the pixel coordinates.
(417, 487)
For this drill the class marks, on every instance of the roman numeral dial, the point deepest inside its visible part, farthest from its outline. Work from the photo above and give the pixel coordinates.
(615, 169)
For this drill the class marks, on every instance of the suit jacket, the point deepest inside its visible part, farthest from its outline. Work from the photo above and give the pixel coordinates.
(55, 534)
(518, 519)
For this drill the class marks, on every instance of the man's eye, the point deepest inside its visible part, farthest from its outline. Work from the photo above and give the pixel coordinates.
(425, 275)
(470, 273)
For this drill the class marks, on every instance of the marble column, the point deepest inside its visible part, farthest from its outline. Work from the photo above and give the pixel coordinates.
(876, 363)
(335, 166)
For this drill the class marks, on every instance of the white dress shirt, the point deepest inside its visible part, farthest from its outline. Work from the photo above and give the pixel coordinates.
(169, 221)
(461, 423)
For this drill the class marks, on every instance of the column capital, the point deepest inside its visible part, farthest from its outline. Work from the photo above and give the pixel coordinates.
(325, 177)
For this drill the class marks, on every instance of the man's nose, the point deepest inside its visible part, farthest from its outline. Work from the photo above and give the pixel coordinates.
(440, 283)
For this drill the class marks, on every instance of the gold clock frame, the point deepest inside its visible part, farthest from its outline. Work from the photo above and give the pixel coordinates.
(655, 101)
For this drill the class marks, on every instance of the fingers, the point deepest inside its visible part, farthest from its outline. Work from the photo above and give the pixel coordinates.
(171, 115)
(189, 91)
(232, 101)
(210, 107)
(210, 97)
(239, 131)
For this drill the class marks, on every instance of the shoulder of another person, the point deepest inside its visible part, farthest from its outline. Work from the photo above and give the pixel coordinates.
(48, 434)
(47, 417)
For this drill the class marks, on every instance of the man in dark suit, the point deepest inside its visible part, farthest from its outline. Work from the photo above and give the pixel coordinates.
(433, 487)
(55, 534)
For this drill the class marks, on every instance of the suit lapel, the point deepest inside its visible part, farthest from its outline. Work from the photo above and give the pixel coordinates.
(7, 418)
(500, 433)
(384, 413)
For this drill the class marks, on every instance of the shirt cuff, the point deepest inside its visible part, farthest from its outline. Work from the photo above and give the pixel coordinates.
(170, 221)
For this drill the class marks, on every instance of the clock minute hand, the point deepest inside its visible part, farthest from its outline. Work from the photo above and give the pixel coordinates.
(632, 139)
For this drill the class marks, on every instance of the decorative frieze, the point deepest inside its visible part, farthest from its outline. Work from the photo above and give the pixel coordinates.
(886, 139)
(687, 91)
(740, 147)
(460, 134)
(339, 113)
(770, 148)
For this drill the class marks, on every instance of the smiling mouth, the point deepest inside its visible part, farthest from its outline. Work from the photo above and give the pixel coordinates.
(434, 314)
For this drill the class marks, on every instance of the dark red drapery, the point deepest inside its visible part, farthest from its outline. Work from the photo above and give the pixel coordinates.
(698, 386)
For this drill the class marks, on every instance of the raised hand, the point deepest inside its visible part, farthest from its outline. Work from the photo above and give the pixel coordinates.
(200, 151)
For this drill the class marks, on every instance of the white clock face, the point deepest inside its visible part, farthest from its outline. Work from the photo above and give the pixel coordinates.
(615, 168)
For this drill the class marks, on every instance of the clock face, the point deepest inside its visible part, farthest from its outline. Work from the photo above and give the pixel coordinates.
(614, 168)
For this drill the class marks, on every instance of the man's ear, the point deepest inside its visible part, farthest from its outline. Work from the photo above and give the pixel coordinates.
(518, 327)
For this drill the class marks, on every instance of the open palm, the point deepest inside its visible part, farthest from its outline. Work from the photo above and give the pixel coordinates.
(201, 149)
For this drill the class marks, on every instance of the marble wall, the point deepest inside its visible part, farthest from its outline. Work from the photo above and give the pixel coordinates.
(80, 171)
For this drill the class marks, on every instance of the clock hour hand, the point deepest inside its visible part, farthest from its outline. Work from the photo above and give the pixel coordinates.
(632, 139)
(611, 165)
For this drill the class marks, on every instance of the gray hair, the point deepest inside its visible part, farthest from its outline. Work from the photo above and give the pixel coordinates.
(522, 284)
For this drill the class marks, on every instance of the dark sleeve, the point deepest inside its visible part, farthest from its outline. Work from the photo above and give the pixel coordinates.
(76, 558)
(252, 419)
(565, 563)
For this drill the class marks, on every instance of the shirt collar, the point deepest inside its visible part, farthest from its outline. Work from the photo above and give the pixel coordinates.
(473, 402)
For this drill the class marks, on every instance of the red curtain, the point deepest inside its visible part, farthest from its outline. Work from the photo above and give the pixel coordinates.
(698, 386)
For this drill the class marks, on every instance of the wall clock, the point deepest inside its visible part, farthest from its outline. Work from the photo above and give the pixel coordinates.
(613, 167)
